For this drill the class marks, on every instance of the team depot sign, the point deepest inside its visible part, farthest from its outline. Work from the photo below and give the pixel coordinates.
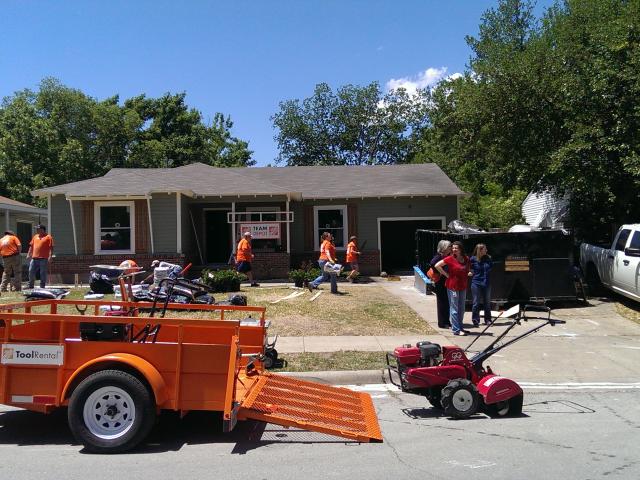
(261, 231)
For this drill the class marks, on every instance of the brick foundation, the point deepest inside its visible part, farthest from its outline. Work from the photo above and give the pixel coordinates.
(369, 260)
(63, 268)
(267, 265)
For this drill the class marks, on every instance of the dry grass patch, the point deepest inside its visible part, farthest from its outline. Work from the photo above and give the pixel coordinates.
(345, 360)
(361, 310)
(629, 310)
(366, 310)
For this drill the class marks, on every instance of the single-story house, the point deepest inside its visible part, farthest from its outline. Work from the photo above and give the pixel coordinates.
(22, 219)
(196, 213)
(546, 210)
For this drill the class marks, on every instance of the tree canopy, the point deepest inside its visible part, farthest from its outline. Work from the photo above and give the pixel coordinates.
(546, 103)
(58, 134)
(353, 126)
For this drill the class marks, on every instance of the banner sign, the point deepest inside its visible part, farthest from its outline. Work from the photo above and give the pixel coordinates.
(14, 354)
(261, 231)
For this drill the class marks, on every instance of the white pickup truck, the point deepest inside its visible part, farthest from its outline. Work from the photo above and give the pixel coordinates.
(618, 267)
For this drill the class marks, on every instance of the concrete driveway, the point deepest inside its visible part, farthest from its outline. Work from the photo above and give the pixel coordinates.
(595, 345)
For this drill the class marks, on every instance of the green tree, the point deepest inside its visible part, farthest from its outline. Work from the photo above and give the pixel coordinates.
(58, 135)
(355, 125)
(549, 104)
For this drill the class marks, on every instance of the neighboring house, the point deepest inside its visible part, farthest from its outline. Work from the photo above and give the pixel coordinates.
(196, 213)
(21, 218)
(546, 210)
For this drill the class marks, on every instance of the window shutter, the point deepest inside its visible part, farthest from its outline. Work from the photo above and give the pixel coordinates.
(87, 228)
(352, 215)
(308, 228)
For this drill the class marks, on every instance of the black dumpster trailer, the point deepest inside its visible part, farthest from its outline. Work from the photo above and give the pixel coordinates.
(527, 266)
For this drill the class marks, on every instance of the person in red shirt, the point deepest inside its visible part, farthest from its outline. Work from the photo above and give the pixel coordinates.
(327, 255)
(40, 252)
(10, 248)
(457, 278)
(352, 258)
(244, 257)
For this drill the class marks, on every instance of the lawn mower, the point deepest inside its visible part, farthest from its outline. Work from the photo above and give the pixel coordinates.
(457, 384)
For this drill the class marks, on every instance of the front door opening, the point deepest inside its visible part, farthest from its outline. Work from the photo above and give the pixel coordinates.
(217, 236)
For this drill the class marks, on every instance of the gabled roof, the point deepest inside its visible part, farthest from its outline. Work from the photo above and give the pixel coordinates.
(298, 182)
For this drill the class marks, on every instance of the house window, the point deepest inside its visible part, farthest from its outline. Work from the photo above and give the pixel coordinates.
(114, 227)
(332, 219)
(25, 234)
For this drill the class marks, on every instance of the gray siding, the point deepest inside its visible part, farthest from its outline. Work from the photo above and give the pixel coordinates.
(163, 217)
(297, 227)
(369, 210)
(188, 241)
(61, 226)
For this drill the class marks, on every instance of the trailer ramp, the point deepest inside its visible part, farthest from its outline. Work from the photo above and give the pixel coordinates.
(311, 406)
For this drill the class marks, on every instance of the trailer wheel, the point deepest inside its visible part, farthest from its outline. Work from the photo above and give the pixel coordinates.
(507, 408)
(460, 398)
(111, 411)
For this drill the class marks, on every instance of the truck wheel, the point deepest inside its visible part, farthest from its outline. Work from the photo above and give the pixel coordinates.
(111, 411)
(507, 408)
(460, 398)
(593, 280)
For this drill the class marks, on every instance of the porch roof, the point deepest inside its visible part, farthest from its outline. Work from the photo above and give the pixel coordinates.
(298, 183)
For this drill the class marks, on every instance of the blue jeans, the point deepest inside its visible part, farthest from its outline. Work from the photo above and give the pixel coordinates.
(38, 265)
(324, 276)
(456, 308)
(481, 295)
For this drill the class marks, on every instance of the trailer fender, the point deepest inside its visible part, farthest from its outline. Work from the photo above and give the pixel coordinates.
(146, 369)
(494, 388)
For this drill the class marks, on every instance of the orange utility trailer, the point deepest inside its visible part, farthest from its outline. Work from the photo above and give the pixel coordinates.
(116, 373)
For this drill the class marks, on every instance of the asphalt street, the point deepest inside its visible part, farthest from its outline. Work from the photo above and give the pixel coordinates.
(585, 433)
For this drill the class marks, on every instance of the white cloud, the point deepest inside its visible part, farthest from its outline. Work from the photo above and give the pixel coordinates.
(427, 79)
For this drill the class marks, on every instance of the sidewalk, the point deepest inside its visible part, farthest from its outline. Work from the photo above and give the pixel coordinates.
(595, 344)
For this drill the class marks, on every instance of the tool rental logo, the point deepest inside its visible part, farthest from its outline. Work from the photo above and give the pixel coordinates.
(32, 354)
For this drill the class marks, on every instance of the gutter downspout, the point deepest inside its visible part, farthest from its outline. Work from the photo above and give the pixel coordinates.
(150, 224)
(73, 226)
(179, 222)
(6, 220)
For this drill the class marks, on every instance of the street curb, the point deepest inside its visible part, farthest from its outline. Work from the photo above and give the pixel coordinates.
(341, 377)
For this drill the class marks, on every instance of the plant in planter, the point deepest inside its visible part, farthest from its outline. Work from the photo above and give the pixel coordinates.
(223, 280)
(304, 274)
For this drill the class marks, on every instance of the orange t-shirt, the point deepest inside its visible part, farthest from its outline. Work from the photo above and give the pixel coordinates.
(327, 247)
(352, 256)
(41, 246)
(244, 251)
(10, 245)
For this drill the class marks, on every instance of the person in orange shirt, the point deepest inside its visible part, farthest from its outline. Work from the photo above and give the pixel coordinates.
(244, 257)
(352, 259)
(10, 248)
(40, 252)
(327, 255)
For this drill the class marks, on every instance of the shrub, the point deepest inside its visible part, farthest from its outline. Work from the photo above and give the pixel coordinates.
(305, 273)
(223, 280)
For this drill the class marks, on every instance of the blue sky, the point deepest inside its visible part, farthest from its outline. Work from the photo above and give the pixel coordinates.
(237, 57)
